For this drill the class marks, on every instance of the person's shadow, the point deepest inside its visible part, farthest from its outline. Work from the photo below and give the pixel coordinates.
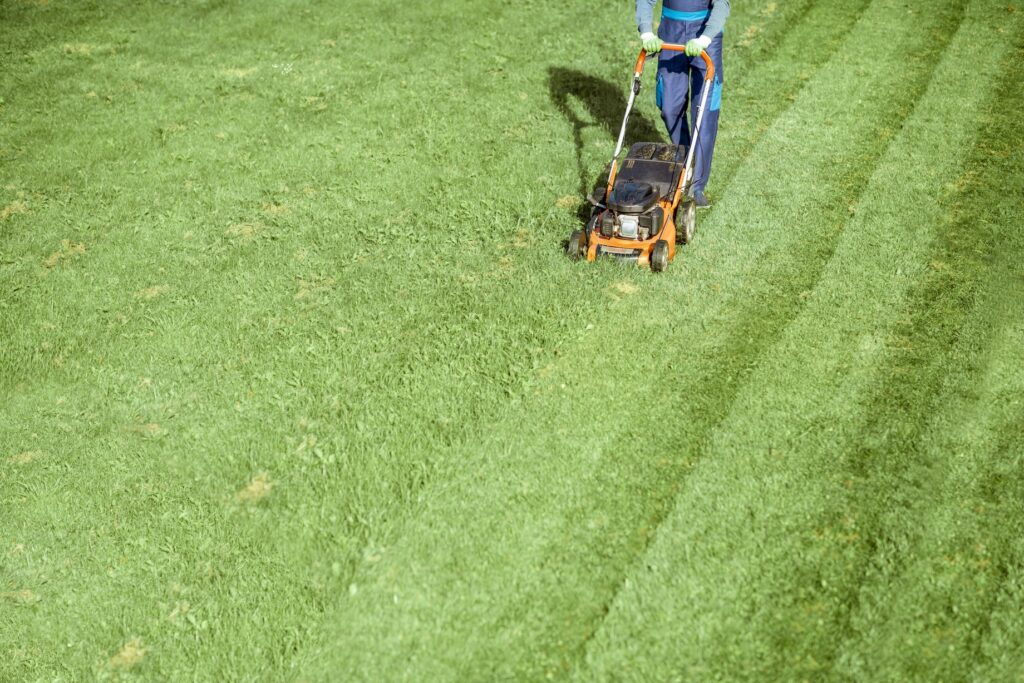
(606, 103)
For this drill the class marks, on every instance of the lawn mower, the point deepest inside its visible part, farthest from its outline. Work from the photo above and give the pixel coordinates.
(646, 207)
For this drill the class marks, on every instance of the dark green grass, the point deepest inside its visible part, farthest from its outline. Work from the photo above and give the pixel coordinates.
(320, 244)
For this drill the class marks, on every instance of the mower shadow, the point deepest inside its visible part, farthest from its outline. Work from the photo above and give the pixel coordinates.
(606, 103)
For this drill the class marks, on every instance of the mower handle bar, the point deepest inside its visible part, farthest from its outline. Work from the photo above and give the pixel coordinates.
(673, 47)
(638, 72)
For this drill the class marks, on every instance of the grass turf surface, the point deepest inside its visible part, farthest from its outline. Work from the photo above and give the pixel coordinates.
(297, 385)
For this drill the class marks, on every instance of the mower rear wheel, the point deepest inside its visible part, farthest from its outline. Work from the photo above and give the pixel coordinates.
(574, 248)
(686, 222)
(659, 256)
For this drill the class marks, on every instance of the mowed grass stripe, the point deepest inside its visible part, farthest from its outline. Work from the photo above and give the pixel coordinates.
(244, 415)
(828, 23)
(794, 270)
(943, 578)
(540, 492)
(315, 428)
(744, 580)
(759, 90)
(999, 641)
(941, 458)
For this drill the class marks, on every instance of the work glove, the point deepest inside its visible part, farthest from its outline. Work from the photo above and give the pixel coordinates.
(652, 43)
(696, 46)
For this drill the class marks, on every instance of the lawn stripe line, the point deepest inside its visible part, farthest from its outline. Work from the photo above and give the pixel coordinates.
(948, 346)
(762, 95)
(822, 157)
(758, 633)
(796, 270)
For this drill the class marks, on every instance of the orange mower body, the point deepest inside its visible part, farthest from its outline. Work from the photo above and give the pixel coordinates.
(646, 214)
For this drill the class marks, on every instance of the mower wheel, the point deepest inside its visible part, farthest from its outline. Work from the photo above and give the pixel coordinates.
(686, 222)
(659, 256)
(574, 248)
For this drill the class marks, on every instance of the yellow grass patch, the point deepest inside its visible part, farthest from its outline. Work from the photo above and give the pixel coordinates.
(566, 202)
(314, 103)
(80, 49)
(327, 42)
(522, 239)
(243, 232)
(130, 655)
(240, 73)
(17, 206)
(308, 288)
(749, 36)
(22, 597)
(626, 288)
(150, 429)
(25, 458)
(67, 251)
(274, 209)
(256, 490)
(153, 292)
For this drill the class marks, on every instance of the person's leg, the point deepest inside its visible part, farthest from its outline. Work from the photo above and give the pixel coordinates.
(709, 124)
(671, 92)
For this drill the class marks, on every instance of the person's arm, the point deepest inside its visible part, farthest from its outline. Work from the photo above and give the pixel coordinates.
(712, 29)
(645, 16)
(645, 24)
(716, 22)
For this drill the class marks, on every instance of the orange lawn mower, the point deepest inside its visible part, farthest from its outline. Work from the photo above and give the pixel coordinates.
(646, 207)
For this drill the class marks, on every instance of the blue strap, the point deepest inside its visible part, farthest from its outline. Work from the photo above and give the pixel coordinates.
(667, 13)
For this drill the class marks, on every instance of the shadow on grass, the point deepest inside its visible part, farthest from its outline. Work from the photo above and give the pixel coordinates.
(606, 104)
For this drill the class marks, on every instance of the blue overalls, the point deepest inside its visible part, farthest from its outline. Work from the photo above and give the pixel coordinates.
(679, 76)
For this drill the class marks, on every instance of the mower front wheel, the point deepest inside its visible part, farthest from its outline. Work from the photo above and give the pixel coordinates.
(659, 256)
(576, 246)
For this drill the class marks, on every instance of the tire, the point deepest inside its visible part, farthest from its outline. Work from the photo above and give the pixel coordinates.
(659, 256)
(574, 247)
(686, 222)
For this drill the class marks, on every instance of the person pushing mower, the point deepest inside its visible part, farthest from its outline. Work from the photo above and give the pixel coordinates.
(698, 24)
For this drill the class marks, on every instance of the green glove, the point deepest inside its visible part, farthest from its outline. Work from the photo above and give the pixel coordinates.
(652, 44)
(696, 46)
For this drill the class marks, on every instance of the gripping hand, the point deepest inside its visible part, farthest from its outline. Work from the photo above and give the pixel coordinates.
(652, 44)
(696, 46)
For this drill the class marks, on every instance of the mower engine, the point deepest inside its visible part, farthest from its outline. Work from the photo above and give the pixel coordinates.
(633, 212)
(629, 226)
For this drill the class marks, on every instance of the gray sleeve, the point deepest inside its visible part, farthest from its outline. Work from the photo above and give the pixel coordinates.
(645, 15)
(716, 22)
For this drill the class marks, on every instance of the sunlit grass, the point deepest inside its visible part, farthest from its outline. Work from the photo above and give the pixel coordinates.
(296, 383)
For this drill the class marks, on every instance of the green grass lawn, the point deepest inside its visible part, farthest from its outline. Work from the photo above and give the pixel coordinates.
(296, 383)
